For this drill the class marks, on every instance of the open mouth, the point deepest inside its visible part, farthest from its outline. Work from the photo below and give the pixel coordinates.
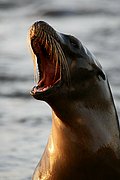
(47, 52)
(49, 70)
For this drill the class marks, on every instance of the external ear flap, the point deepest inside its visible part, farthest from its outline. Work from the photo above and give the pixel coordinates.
(101, 73)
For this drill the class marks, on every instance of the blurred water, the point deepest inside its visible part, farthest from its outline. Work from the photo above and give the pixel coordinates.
(24, 122)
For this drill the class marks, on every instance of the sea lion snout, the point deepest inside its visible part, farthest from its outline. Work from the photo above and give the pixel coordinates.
(40, 27)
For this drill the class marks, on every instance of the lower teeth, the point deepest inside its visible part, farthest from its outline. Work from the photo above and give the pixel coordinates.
(44, 88)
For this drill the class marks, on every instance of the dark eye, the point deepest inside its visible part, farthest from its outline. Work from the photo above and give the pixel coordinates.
(73, 42)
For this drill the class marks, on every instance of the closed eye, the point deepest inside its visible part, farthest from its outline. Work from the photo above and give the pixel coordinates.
(73, 42)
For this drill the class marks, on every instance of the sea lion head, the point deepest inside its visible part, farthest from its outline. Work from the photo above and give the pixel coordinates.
(66, 68)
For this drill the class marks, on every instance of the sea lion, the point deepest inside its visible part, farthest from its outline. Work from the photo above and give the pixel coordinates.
(84, 143)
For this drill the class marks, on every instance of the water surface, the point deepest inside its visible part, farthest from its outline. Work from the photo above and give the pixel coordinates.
(24, 122)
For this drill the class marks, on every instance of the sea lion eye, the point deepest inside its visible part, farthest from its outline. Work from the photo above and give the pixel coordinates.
(73, 42)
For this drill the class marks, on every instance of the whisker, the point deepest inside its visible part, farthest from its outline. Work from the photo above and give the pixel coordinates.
(50, 45)
(46, 41)
(36, 72)
(63, 61)
(56, 63)
(54, 53)
(43, 39)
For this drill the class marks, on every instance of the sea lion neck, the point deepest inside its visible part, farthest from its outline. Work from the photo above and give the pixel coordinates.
(69, 103)
(86, 119)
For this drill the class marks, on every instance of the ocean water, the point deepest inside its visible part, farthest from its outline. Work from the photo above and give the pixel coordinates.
(24, 122)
